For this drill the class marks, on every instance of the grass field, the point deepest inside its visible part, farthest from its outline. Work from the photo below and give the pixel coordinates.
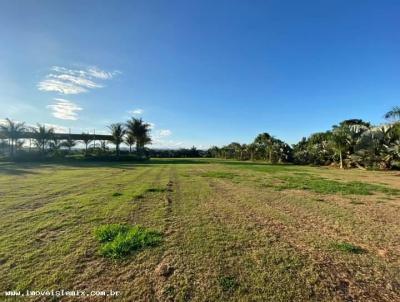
(229, 231)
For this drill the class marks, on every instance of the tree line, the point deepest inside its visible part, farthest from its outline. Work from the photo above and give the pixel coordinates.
(134, 132)
(351, 143)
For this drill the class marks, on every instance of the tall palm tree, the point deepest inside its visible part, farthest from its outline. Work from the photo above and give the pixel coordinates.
(252, 149)
(12, 130)
(265, 141)
(42, 136)
(130, 140)
(117, 133)
(340, 141)
(140, 131)
(394, 114)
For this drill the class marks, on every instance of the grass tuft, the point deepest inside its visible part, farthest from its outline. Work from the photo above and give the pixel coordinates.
(120, 240)
(228, 283)
(348, 247)
(156, 190)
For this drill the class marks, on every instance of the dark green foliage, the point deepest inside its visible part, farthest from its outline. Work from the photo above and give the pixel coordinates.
(115, 194)
(348, 247)
(106, 233)
(228, 283)
(327, 186)
(156, 190)
(119, 240)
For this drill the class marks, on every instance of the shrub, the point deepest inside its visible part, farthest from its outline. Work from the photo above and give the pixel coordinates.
(119, 240)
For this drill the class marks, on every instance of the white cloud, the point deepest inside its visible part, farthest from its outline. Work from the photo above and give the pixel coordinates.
(166, 144)
(64, 109)
(60, 87)
(101, 74)
(74, 81)
(164, 133)
(136, 111)
(160, 140)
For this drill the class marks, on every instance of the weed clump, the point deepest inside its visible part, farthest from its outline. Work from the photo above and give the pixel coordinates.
(118, 240)
(348, 247)
(156, 190)
(228, 283)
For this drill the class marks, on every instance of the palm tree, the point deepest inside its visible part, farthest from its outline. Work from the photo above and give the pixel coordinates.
(86, 139)
(117, 132)
(393, 114)
(265, 141)
(130, 140)
(140, 131)
(252, 149)
(42, 136)
(340, 141)
(12, 130)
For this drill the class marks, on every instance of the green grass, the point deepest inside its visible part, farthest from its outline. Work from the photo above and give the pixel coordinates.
(327, 186)
(119, 241)
(219, 174)
(228, 283)
(225, 230)
(348, 248)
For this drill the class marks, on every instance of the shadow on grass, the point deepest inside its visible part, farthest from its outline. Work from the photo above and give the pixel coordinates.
(20, 168)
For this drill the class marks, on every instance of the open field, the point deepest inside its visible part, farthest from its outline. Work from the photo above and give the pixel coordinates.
(231, 231)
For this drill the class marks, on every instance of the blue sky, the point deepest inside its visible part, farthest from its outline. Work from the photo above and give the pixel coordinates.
(203, 72)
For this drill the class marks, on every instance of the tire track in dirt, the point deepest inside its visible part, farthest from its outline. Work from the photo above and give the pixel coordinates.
(164, 268)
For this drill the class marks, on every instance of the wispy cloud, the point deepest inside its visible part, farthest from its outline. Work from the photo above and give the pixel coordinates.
(64, 109)
(74, 81)
(136, 111)
(160, 140)
(164, 133)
